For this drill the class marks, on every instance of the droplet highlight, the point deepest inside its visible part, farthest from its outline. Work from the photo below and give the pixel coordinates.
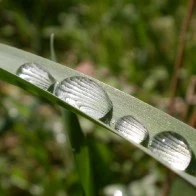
(36, 74)
(85, 95)
(172, 148)
(131, 129)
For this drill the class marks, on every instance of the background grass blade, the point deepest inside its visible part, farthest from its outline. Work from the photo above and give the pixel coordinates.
(155, 120)
(52, 50)
(80, 151)
(78, 141)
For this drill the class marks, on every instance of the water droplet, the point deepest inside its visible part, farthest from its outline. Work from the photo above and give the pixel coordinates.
(86, 95)
(36, 74)
(113, 121)
(132, 129)
(172, 148)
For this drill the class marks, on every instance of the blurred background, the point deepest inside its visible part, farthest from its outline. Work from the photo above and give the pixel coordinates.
(129, 44)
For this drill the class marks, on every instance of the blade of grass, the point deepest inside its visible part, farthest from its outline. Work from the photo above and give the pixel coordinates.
(52, 50)
(78, 142)
(80, 151)
(155, 120)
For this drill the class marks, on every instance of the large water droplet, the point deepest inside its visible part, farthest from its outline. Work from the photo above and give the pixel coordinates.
(172, 148)
(86, 95)
(36, 74)
(132, 129)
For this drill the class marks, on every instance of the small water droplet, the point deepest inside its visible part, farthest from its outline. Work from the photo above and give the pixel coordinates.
(36, 74)
(86, 95)
(113, 121)
(172, 148)
(132, 129)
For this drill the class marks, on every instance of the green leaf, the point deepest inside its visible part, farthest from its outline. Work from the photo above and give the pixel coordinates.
(80, 150)
(154, 120)
(78, 142)
(52, 50)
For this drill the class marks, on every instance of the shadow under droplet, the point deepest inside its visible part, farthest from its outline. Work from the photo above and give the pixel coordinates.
(107, 118)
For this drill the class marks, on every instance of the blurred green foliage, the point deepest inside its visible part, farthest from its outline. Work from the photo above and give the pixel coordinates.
(132, 46)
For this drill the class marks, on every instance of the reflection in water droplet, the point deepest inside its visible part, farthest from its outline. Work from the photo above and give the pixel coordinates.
(36, 74)
(132, 129)
(172, 148)
(86, 95)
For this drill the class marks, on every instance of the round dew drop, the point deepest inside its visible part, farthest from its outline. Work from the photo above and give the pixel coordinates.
(85, 95)
(36, 74)
(172, 148)
(131, 129)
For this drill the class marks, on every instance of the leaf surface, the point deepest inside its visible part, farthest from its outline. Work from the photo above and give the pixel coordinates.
(154, 120)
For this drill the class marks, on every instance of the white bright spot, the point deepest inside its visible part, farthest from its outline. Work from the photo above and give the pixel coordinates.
(118, 193)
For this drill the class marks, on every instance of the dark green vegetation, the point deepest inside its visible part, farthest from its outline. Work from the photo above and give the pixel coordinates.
(131, 46)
